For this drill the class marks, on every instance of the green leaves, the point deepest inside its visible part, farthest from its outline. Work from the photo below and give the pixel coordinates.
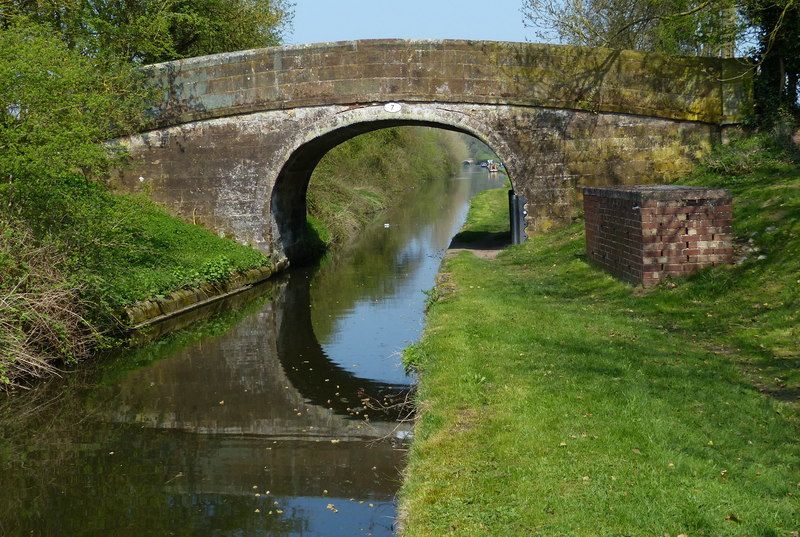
(149, 31)
(57, 106)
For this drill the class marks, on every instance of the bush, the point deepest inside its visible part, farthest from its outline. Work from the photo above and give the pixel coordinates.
(149, 31)
(57, 106)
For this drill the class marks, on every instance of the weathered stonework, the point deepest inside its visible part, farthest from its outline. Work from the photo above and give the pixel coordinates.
(238, 135)
(643, 234)
(452, 71)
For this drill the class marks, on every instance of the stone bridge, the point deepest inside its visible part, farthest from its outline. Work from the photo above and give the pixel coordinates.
(237, 136)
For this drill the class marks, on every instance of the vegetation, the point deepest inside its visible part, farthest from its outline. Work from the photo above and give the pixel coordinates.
(150, 31)
(477, 149)
(61, 289)
(768, 31)
(705, 28)
(361, 177)
(568, 403)
(71, 253)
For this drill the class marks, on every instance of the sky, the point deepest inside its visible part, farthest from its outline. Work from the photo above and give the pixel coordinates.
(318, 21)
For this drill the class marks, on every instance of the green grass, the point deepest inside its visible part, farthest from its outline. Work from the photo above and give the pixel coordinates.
(73, 256)
(358, 179)
(168, 254)
(487, 221)
(555, 400)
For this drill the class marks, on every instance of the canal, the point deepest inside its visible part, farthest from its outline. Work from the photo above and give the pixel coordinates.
(283, 414)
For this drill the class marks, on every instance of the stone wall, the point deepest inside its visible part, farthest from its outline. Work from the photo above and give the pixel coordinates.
(453, 71)
(246, 176)
(644, 234)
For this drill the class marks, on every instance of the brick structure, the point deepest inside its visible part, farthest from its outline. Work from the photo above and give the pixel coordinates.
(643, 234)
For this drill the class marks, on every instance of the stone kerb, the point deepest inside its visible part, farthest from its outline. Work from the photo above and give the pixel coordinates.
(643, 234)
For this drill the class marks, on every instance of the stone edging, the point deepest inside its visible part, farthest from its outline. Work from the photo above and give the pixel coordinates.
(148, 312)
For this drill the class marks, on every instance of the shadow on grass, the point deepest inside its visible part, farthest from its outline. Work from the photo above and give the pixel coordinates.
(481, 240)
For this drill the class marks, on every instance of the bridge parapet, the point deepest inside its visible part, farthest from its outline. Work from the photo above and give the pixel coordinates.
(709, 90)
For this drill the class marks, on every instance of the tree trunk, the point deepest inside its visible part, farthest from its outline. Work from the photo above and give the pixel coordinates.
(791, 88)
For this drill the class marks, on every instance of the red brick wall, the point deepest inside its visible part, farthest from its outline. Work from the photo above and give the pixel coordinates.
(644, 234)
(614, 236)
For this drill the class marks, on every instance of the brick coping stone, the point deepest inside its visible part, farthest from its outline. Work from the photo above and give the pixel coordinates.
(641, 193)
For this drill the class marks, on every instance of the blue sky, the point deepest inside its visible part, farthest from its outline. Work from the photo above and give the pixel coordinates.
(337, 20)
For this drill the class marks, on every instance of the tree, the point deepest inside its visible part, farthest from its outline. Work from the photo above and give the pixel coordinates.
(776, 25)
(149, 31)
(57, 105)
(767, 31)
(690, 27)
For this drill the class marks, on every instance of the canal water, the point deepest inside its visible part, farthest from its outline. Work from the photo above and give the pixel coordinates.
(281, 415)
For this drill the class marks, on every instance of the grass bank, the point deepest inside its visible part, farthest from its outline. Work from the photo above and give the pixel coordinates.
(555, 400)
(358, 179)
(72, 260)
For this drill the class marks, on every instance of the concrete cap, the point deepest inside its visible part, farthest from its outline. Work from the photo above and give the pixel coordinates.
(657, 192)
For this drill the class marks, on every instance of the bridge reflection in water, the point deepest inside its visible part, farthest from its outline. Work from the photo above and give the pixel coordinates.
(258, 428)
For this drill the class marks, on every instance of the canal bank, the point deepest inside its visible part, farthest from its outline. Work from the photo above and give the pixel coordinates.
(555, 400)
(277, 417)
(92, 264)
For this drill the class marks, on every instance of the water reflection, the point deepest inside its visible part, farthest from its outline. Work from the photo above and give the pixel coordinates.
(372, 293)
(251, 424)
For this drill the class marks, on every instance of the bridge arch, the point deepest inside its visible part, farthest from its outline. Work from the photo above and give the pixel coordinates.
(233, 143)
(287, 205)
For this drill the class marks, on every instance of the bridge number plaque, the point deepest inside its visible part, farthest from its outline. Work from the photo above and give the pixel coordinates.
(392, 108)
